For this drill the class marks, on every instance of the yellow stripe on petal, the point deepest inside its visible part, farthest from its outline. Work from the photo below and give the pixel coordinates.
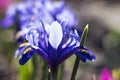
(83, 50)
(24, 44)
(27, 50)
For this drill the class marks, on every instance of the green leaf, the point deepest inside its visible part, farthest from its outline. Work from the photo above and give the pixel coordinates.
(26, 71)
(84, 35)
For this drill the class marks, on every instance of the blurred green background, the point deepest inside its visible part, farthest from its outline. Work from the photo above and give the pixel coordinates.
(103, 17)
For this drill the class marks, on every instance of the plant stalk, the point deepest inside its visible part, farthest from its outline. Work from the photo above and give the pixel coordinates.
(77, 61)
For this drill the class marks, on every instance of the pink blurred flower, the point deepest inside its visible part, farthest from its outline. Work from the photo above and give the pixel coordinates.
(4, 5)
(105, 74)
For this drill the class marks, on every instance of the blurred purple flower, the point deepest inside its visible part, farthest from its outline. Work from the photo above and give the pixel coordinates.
(23, 14)
(46, 10)
(61, 12)
(105, 74)
(9, 19)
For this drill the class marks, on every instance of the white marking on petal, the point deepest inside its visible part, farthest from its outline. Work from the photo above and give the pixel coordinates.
(16, 53)
(56, 34)
(76, 33)
(68, 42)
(47, 28)
(32, 37)
(77, 44)
(93, 59)
(35, 47)
(73, 42)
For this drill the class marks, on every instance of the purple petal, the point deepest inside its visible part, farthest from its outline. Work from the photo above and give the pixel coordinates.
(25, 57)
(66, 52)
(86, 54)
(33, 36)
(9, 17)
(47, 29)
(68, 16)
(59, 5)
(49, 6)
(19, 51)
(7, 22)
(44, 55)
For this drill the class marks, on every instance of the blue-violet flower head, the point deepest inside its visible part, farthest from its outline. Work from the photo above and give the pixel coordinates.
(54, 43)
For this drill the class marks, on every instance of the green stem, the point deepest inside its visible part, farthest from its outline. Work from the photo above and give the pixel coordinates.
(54, 73)
(54, 76)
(76, 65)
(44, 70)
(49, 75)
(60, 71)
(34, 67)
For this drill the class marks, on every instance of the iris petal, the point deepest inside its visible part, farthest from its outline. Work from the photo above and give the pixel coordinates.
(56, 34)
(82, 59)
(9, 18)
(25, 57)
(68, 16)
(7, 22)
(84, 53)
(19, 51)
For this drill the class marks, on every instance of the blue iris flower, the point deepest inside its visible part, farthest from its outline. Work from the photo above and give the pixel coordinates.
(54, 43)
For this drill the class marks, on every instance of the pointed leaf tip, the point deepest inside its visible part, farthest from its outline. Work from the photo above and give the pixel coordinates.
(84, 35)
(86, 27)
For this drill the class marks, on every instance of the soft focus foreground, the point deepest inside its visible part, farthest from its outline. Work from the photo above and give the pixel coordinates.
(103, 39)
